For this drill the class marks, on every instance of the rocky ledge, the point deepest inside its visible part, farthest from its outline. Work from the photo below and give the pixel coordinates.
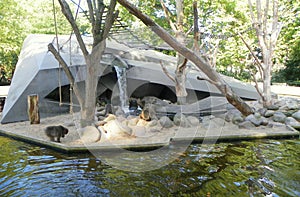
(283, 111)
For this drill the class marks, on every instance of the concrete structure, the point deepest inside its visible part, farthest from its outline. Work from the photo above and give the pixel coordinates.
(37, 72)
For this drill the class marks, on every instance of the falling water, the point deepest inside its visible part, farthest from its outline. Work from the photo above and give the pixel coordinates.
(121, 74)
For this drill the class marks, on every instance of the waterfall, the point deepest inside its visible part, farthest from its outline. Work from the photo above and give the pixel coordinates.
(122, 82)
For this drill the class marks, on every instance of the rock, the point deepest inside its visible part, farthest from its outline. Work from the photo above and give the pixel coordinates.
(296, 115)
(246, 125)
(141, 123)
(264, 121)
(279, 117)
(110, 117)
(262, 111)
(269, 113)
(153, 130)
(119, 112)
(283, 108)
(255, 119)
(152, 123)
(276, 124)
(193, 121)
(237, 119)
(165, 122)
(133, 121)
(180, 120)
(114, 128)
(232, 113)
(273, 107)
(100, 123)
(139, 131)
(292, 104)
(292, 122)
(208, 118)
(90, 134)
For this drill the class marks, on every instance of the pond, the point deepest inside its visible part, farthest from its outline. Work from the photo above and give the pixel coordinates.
(247, 168)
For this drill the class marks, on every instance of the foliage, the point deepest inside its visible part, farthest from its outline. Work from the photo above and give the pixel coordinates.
(217, 18)
(11, 37)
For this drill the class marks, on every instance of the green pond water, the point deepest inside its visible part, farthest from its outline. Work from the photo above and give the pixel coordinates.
(248, 168)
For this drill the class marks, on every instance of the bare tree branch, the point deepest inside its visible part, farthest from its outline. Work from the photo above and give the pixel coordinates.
(183, 65)
(256, 86)
(167, 15)
(64, 65)
(110, 18)
(167, 72)
(252, 53)
(68, 14)
(91, 13)
(265, 19)
(196, 28)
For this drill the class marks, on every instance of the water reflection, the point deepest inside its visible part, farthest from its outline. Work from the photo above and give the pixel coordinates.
(251, 168)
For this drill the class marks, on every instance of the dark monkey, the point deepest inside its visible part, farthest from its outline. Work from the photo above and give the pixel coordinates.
(56, 131)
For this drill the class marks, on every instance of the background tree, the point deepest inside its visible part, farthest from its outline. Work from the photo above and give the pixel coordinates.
(213, 76)
(11, 37)
(100, 26)
(267, 28)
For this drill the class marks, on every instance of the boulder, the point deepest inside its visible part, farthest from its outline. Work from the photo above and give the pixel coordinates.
(165, 122)
(193, 121)
(276, 124)
(262, 111)
(90, 134)
(269, 113)
(180, 120)
(292, 105)
(110, 117)
(296, 115)
(142, 123)
(246, 125)
(273, 107)
(114, 128)
(133, 121)
(292, 122)
(152, 123)
(100, 123)
(237, 119)
(231, 114)
(255, 119)
(139, 131)
(264, 121)
(279, 117)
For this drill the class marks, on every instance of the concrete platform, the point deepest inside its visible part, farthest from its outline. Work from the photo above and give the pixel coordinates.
(211, 133)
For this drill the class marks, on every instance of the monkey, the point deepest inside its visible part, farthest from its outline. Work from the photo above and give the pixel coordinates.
(145, 115)
(56, 131)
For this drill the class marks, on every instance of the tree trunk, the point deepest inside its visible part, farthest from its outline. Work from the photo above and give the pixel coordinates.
(33, 109)
(187, 53)
(93, 68)
(267, 96)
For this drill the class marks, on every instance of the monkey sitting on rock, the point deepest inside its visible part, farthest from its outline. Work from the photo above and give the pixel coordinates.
(56, 132)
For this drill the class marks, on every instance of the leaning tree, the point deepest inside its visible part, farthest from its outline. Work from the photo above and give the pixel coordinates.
(101, 18)
(213, 76)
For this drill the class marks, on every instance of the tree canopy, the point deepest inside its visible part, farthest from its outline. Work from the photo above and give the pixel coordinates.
(218, 21)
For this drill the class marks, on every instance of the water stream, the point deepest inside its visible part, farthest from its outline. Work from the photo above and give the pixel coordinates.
(245, 168)
(122, 82)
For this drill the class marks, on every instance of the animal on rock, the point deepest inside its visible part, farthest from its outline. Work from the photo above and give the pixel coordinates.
(56, 132)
